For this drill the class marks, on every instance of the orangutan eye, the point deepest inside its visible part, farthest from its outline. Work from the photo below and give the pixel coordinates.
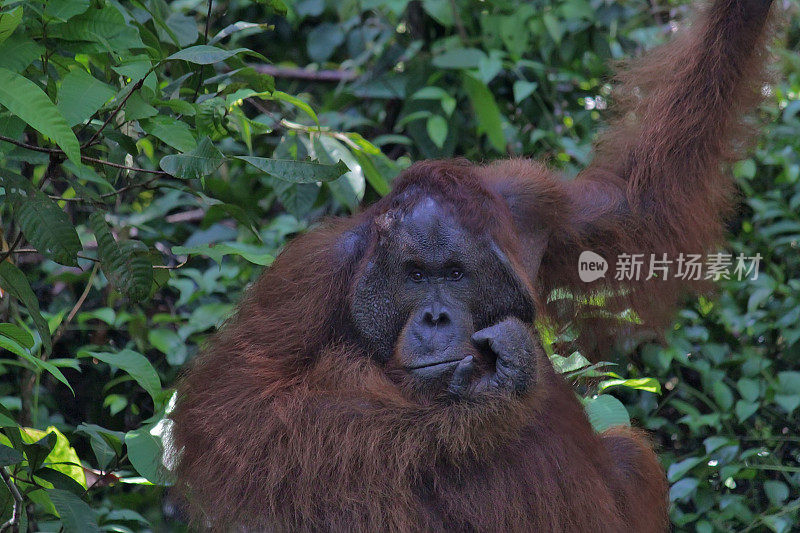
(455, 274)
(416, 275)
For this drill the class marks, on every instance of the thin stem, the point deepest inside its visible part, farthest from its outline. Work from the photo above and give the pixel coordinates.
(11, 248)
(84, 157)
(12, 522)
(205, 40)
(63, 327)
(136, 87)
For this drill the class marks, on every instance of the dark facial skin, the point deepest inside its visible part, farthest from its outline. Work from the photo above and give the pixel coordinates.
(442, 307)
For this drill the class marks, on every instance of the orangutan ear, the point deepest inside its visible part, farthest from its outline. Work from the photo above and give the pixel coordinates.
(352, 244)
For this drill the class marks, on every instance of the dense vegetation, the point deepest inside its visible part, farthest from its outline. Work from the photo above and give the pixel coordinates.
(155, 156)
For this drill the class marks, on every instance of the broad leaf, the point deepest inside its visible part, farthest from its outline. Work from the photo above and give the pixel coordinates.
(18, 52)
(437, 130)
(45, 225)
(605, 411)
(105, 26)
(80, 95)
(173, 132)
(19, 335)
(64, 10)
(135, 364)
(145, 452)
(282, 96)
(200, 162)
(9, 456)
(216, 252)
(297, 171)
(76, 515)
(125, 264)
(26, 100)
(204, 54)
(486, 111)
(9, 20)
(459, 58)
(14, 281)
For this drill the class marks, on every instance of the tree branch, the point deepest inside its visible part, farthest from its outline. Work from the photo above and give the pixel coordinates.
(136, 87)
(12, 522)
(304, 74)
(84, 157)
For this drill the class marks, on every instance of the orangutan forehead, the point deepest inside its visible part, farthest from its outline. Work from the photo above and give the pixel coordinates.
(425, 225)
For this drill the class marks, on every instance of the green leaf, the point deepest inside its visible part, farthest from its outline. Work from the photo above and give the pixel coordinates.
(722, 395)
(80, 95)
(749, 389)
(200, 162)
(574, 362)
(645, 384)
(777, 492)
(523, 89)
(26, 100)
(135, 364)
(76, 515)
(295, 101)
(296, 171)
(745, 409)
(125, 264)
(105, 26)
(486, 111)
(459, 58)
(45, 225)
(145, 451)
(14, 281)
(254, 254)
(605, 411)
(64, 10)
(683, 489)
(60, 480)
(297, 198)
(437, 130)
(679, 469)
(204, 54)
(172, 131)
(236, 27)
(9, 20)
(106, 444)
(18, 52)
(375, 178)
(323, 40)
(9, 456)
(16, 333)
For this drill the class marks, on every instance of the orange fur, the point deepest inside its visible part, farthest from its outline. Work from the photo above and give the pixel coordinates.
(285, 424)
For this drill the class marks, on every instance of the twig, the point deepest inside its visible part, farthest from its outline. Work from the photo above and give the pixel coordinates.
(12, 522)
(301, 127)
(462, 32)
(108, 194)
(136, 87)
(62, 328)
(205, 41)
(84, 157)
(304, 74)
(10, 250)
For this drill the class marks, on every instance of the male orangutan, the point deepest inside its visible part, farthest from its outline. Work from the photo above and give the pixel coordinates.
(384, 373)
